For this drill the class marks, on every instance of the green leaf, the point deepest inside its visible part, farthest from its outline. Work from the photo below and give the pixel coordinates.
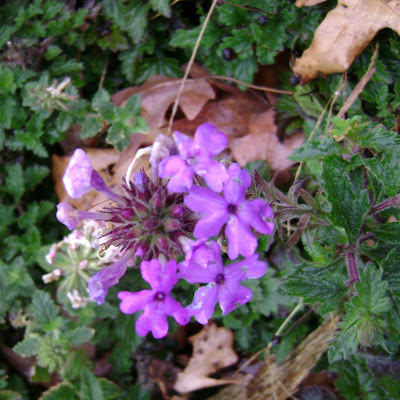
(136, 21)
(10, 395)
(90, 386)
(61, 391)
(29, 217)
(386, 168)
(91, 127)
(79, 336)
(118, 136)
(15, 181)
(317, 148)
(52, 52)
(7, 214)
(378, 138)
(110, 390)
(231, 16)
(76, 362)
(33, 175)
(43, 307)
(348, 207)
(101, 103)
(161, 6)
(363, 322)
(7, 84)
(387, 232)
(186, 38)
(8, 108)
(391, 273)
(29, 141)
(315, 285)
(28, 347)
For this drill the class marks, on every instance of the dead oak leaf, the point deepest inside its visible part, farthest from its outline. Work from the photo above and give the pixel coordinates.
(262, 143)
(158, 93)
(212, 350)
(344, 34)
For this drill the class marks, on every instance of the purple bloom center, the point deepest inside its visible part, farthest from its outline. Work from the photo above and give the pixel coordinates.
(232, 208)
(192, 161)
(160, 296)
(220, 278)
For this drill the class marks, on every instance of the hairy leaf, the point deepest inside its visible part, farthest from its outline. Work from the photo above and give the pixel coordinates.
(348, 207)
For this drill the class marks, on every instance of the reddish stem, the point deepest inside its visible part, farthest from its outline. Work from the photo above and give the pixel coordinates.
(352, 268)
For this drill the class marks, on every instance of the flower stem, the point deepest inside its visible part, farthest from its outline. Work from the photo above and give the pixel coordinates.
(352, 268)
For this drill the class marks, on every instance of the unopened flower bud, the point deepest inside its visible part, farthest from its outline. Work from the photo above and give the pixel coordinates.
(52, 276)
(172, 224)
(52, 254)
(178, 211)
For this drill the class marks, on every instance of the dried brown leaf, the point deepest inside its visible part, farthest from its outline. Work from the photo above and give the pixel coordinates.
(212, 350)
(344, 34)
(279, 382)
(159, 92)
(262, 143)
(229, 116)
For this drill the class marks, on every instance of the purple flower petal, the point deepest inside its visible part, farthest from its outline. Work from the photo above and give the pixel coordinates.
(230, 296)
(182, 181)
(203, 305)
(215, 175)
(252, 213)
(169, 276)
(240, 238)
(181, 173)
(210, 225)
(195, 274)
(158, 277)
(204, 200)
(208, 138)
(109, 276)
(154, 321)
(238, 182)
(133, 302)
(78, 175)
(175, 310)
(184, 144)
(202, 253)
(170, 166)
(67, 215)
(249, 268)
(263, 208)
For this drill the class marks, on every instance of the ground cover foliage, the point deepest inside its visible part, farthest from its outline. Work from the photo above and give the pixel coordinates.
(103, 75)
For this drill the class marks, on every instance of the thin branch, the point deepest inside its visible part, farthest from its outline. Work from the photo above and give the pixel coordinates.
(360, 85)
(257, 87)
(191, 61)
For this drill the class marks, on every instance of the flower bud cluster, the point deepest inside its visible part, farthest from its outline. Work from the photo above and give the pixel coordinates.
(73, 261)
(157, 222)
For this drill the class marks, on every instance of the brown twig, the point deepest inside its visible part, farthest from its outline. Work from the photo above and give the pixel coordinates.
(191, 61)
(360, 85)
(257, 87)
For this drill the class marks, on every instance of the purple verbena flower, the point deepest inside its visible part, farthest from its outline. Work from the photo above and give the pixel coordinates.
(233, 210)
(99, 283)
(195, 157)
(157, 303)
(199, 253)
(146, 220)
(79, 177)
(70, 217)
(223, 282)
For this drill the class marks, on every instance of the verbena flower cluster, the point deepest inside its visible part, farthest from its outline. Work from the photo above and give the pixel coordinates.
(157, 222)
